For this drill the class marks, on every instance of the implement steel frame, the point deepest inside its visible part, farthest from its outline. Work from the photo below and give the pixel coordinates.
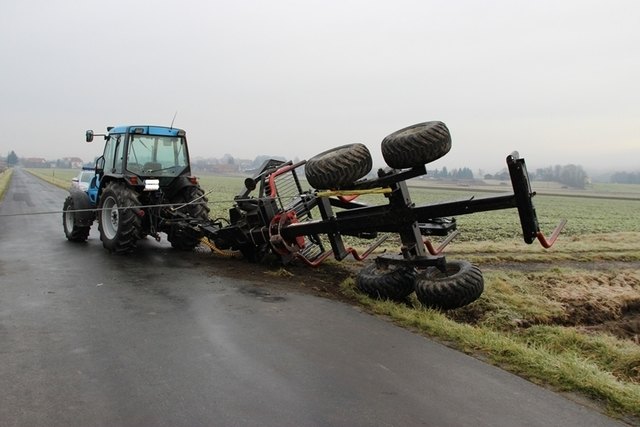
(400, 215)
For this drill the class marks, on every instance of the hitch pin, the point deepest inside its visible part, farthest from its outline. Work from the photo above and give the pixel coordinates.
(548, 243)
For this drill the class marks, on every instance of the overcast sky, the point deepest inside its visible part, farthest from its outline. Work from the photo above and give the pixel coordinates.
(559, 81)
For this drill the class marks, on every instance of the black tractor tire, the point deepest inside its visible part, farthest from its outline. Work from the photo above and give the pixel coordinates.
(72, 230)
(416, 145)
(120, 227)
(184, 239)
(460, 285)
(394, 283)
(339, 167)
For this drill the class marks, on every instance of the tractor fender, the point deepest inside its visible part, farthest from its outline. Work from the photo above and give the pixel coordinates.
(178, 185)
(81, 201)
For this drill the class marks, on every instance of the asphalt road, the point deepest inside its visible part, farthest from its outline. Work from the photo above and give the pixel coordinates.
(157, 338)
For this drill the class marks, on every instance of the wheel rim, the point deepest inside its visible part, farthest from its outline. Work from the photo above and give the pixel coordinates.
(110, 217)
(69, 219)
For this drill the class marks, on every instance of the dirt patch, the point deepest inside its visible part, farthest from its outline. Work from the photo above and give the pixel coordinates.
(322, 281)
(592, 297)
(599, 301)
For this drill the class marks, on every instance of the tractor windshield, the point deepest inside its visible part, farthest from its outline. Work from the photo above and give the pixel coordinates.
(157, 155)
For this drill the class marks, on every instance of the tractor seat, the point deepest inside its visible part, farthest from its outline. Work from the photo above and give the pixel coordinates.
(152, 166)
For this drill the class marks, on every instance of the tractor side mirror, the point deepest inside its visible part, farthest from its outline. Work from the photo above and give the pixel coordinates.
(89, 136)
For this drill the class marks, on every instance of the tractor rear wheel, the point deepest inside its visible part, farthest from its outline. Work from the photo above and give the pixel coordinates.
(119, 225)
(394, 282)
(182, 238)
(339, 167)
(460, 285)
(73, 231)
(416, 145)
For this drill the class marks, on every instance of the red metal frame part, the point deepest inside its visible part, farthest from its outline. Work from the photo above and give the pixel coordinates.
(349, 250)
(272, 178)
(280, 245)
(318, 260)
(554, 236)
(437, 251)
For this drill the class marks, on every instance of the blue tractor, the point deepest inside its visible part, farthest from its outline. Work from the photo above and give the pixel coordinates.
(142, 186)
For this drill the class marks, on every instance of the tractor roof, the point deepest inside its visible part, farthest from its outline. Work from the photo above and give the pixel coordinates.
(148, 130)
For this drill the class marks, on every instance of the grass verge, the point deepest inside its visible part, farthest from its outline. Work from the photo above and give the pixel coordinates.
(5, 179)
(58, 177)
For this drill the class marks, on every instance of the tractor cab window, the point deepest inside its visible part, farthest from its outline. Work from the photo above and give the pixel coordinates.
(113, 142)
(117, 164)
(156, 155)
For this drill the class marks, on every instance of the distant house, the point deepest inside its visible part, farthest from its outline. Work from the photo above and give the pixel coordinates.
(35, 162)
(73, 162)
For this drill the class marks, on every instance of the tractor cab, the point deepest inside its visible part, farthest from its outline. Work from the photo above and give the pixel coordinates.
(147, 158)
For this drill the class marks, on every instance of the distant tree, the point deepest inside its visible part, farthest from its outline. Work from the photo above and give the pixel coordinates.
(466, 173)
(570, 175)
(573, 176)
(63, 164)
(463, 173)
(12, 158)
(503, 175)
(557, 170)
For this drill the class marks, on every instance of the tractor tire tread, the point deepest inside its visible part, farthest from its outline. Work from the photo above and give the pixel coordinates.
(78, 233)
(416, 145)
(462, 285)
(339, 167)
(130, 224)
(392, 283)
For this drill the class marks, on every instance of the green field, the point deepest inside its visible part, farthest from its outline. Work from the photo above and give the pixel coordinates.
(568, 317)
(586, 215)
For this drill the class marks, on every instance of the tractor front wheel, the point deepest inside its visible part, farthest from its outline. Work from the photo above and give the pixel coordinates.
(461, 284)
(393, 282)
(118, 221)
(73, 231)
